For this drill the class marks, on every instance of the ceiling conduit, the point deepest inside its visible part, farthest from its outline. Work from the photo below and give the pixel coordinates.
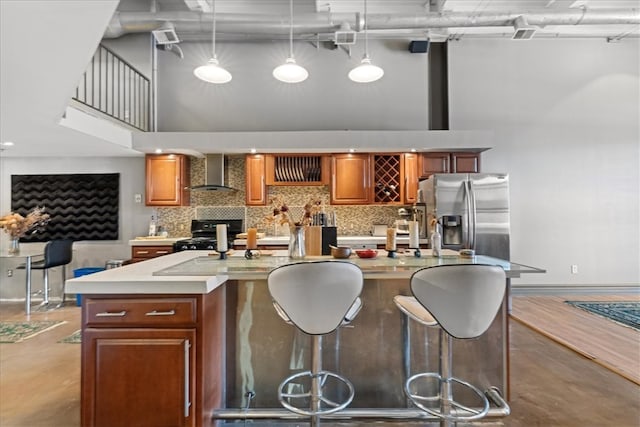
(245, 25)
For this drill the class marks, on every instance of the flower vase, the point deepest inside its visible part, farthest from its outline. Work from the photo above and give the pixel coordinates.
(296, 243)
(14, 247)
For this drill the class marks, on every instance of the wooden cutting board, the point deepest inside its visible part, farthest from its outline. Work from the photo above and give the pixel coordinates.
(244, 236)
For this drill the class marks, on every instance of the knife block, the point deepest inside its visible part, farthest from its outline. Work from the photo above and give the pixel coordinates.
(329, 237)
(313, 240)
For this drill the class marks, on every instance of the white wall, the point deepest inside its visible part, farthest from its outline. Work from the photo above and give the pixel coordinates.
(134, 217)
(565, 115)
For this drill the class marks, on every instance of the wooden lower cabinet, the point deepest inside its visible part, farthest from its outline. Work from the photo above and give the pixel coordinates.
(141, 253)
(154, 360)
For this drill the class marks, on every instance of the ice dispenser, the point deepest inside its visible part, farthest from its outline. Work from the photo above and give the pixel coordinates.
(451, 229)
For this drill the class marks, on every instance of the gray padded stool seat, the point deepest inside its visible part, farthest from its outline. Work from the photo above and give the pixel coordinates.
(317, 298)
(463, 300)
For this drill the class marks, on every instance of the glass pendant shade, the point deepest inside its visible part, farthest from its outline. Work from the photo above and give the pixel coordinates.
(366, 72)
(212, 72)
(290, 72)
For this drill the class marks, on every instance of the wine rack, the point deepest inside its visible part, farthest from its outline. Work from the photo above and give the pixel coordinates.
(387, 178)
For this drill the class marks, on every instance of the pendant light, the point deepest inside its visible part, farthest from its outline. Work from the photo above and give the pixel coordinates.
(366, 72)
(290, 72)
(212, 72)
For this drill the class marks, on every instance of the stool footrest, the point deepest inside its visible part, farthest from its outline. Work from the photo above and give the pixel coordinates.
(462, 412)
(333, 406)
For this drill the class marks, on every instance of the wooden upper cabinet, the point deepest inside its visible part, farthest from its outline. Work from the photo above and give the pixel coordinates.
(297, 169)
(256, 189)
(435, 163)
(167, 180)
(449, 162)
(351, 179)
(465, 162)
(411, 175)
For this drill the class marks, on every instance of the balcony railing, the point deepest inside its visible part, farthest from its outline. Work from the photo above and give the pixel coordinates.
(114, 87)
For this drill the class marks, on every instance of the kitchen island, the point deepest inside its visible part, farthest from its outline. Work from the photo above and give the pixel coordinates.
(186, 336)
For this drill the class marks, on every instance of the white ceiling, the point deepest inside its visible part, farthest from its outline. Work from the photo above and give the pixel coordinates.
(45, 48)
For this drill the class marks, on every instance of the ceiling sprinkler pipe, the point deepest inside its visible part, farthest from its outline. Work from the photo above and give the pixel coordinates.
(243, 24)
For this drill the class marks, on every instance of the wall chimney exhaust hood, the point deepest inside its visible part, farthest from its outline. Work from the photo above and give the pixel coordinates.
(214, 175)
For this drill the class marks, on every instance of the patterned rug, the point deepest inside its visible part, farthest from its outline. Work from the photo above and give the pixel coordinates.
(626, 313)
(13, 332)
(74, 338)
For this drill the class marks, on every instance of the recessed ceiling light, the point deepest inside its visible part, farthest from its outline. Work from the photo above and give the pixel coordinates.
(413, 150)
(7, 144)
(254, 151)
(352, 150)
(158, 150)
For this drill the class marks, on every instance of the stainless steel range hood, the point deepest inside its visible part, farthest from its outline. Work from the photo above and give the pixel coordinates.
(214, 174)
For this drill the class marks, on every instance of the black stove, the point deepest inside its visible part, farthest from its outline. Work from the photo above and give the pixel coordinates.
(203, 232)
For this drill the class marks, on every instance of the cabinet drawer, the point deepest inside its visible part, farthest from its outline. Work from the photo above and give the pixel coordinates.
(156, 312)
(150, 251)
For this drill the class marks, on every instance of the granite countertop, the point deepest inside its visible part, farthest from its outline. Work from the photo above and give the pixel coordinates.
(200, 272)
(155, 241)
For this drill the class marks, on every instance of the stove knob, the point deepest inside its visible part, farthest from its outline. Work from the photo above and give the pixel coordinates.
(193, 247)
(210, 247)
(183, 248)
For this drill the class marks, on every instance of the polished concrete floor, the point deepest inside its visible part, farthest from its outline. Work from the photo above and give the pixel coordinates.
(551, 385)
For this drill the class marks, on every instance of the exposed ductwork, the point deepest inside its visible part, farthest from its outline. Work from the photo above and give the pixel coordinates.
(247, 25)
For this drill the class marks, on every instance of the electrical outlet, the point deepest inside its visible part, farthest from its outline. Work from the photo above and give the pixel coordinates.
(138, 198)
(574, 269)
(9, 272)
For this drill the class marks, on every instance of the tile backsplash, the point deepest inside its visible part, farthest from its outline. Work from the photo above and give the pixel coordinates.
(351, 219)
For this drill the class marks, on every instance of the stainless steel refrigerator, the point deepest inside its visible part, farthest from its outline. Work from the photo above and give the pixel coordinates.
(472, 210)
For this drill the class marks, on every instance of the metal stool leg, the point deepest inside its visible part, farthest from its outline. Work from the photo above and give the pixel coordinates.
(446, 395)
(316, 383)
(45, 274)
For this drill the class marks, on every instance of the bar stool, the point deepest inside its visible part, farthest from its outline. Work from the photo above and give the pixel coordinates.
(317, 298)
(463, 300)
(56, 253)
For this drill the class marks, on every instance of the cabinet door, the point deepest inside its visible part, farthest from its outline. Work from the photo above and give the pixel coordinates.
(139, 377)
(167, 177)
(465, 162)
(410, 177)
(435, 163)
(255, 188)
(350, 179)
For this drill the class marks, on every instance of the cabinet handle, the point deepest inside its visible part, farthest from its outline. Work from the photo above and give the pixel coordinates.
(162, 252)
(142, 252)
(112, 314)
(160, 313)
(187, 402)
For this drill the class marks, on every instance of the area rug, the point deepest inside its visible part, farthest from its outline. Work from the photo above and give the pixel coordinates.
(74, 338)
(14, 332)
(626, 313)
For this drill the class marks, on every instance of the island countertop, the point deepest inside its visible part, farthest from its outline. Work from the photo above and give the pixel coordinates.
(200, 272)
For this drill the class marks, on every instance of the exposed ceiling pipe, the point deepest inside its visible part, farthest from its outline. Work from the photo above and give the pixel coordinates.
(244, 24)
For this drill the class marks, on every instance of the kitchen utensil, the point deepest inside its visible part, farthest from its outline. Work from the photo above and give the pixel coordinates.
(340, 252)
(367, 253)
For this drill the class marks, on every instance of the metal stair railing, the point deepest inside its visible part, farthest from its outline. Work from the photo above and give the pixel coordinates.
(114, 87)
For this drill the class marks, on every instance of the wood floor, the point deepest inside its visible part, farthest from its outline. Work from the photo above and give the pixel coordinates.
(551, 385)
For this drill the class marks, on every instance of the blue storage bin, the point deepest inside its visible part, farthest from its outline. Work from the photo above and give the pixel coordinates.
(83, 272)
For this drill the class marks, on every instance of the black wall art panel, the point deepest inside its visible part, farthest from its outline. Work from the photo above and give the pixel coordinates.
(81, 206)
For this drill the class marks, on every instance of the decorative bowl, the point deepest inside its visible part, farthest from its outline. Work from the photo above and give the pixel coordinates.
(340, 252)
(367, 253)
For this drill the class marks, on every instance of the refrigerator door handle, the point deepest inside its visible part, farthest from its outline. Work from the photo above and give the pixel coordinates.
(472, 214)
(466, 232)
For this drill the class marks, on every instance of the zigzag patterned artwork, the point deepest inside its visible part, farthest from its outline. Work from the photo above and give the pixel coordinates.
(81, 206)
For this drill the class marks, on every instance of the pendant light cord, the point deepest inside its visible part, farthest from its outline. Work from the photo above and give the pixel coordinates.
(213, 34)
(290, 28)
(366, 34)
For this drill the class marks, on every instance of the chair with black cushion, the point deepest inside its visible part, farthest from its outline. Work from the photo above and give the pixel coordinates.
(316, 297)
(56, 253)
(463, 300)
